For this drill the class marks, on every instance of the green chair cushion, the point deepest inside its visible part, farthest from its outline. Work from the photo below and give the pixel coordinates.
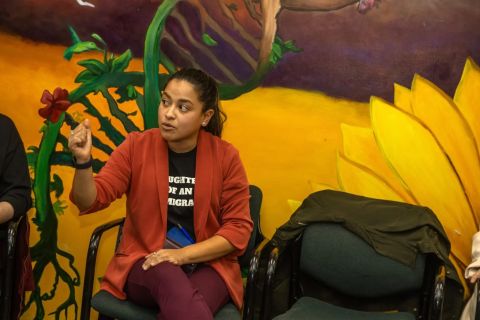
(107, 304)
(309, 308)
(335, 256)
(228, 312)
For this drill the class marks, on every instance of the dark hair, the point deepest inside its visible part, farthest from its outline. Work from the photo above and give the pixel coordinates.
(207, 90)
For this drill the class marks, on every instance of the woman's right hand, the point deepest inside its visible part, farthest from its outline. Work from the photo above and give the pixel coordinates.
(80, 142)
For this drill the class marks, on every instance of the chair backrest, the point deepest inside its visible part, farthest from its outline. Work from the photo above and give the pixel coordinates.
(256, 236)
(343, 261)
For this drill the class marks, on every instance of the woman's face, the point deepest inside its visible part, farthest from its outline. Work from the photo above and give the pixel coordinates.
(181, 115)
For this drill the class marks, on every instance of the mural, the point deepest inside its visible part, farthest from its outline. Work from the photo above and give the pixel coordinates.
(296, 80)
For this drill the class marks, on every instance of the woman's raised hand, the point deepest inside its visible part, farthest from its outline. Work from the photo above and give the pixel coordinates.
(80, 142)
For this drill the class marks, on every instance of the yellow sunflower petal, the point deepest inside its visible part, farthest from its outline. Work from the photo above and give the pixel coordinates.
(356, 179)
(320, 187)
(417, 158)
(467, 97)
(294, 204)
(359, 146)
(402, 98)
(441, 116)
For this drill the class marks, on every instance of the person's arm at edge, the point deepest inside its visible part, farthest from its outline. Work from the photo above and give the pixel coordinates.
(17, 200)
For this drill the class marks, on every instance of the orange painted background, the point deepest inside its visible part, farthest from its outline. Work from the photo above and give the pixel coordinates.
(311, 123)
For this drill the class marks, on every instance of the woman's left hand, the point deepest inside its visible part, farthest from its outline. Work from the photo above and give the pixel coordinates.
(174, 256)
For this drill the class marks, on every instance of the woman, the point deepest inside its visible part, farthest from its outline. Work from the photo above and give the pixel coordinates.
(473, 274)
(181, 174)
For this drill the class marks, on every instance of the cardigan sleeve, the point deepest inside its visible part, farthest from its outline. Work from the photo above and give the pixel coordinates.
(113, 180)
(236, 223)
(15, 185)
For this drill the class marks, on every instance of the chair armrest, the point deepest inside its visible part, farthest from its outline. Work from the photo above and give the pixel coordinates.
(273, 257)
(12, 236)
(283, 258)
(438, 294)
(250, 290)
(90, 265)
(9, 267)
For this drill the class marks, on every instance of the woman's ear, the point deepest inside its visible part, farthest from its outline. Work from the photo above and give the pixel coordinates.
(207, 115)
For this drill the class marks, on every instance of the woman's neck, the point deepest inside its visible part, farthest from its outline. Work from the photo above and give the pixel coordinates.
(182, 147)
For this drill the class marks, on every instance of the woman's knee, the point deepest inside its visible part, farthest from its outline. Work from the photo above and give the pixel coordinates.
(166, 275)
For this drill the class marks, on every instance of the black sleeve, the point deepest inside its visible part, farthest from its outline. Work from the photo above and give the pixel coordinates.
(15, 185)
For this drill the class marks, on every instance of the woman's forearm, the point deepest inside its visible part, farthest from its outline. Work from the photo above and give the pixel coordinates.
(6, 211)
(84, 190)
(210, 249)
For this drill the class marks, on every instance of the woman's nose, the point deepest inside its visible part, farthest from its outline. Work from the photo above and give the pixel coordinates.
(170, 112)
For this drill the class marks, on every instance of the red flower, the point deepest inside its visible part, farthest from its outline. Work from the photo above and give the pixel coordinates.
(55, 104)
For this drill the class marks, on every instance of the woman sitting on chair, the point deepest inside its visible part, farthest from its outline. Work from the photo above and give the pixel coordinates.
(182, 177)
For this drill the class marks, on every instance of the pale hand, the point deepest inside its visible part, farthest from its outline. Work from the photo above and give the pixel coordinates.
(80, 142)
(475, 277)
(174, 256)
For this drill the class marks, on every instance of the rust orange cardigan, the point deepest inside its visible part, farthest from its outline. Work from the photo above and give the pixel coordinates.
(139, 169)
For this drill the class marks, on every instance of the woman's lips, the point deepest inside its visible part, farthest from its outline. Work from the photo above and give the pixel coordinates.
(167, 126)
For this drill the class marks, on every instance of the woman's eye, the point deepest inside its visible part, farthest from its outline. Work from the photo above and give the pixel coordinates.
(166, 102)
(183, 108)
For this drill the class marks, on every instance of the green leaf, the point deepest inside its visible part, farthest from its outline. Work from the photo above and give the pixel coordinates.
(80, 47)
(209, 41)
(56, 185)
(99, 39)
(290, 45)
(280, 48)
(43, 129)
(74, 35)
(126, 93)
(121, 63)
(84, 46)
(132, 93)
(85, 76)
(93, 65)
(59, 207)
(276, 53)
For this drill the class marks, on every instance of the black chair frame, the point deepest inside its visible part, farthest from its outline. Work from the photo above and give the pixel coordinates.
(7, 289)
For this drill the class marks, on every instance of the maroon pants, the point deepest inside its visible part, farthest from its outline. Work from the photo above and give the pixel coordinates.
(178, 295)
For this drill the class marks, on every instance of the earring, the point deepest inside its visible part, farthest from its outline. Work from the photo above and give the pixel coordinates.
(204, 123)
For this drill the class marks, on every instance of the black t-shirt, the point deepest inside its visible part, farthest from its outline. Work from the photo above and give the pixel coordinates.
(181, 182)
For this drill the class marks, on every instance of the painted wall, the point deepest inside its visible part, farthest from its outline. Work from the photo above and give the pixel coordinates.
(297, 77)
